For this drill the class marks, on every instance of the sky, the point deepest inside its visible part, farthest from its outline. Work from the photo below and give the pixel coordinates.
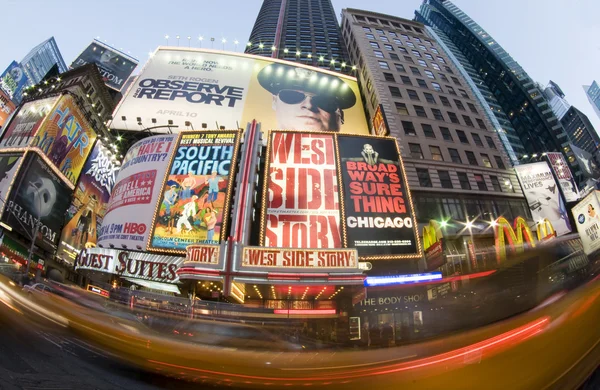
(551, 39)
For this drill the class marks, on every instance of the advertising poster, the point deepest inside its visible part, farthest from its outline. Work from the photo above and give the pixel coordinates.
(88, 206)
(66, 138)
(9, 165)
(13, 80)
(379, 221)
(38, 194)
(543, 196)
(207, 86)
(6, 108)
(586, 215)
(130, 210)
(565, 178)
(380, 126)
(302, 197)
(26, 123)
(115, 67)
(196, 194)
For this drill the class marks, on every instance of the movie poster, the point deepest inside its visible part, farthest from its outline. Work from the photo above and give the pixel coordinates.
(379, 221)
(196, 195)
(565, 178)
(88, 207)
(302, 197)
(587, 219)
(26, 123)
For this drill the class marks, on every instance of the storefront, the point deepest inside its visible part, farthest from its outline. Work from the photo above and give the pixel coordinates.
(13, 251)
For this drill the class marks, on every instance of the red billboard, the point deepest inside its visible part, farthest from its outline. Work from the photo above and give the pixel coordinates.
(6, 108)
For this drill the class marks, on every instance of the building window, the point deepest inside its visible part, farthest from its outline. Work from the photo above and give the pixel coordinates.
(400, 67)
(450, 90)
(405, 80)
(424, 179)
(413, 94)
(436, 153)
(415, 151)
(410, 44)
(486, 160)
(409, 128)
(420, 111)
(366, 29)
(394, 56)
(427, 208)
(468, 121)
(499, 162)
(416, 53)
(455, 156)
(437, 87)
(429, 98)
(496, 183)
(477, 139)
(434, 50)
(435, 66)
(403, 51)
(395, 91)
(453, 117)
(456, 81)
(428, 130)
(388, 76)
(370, 36)
(379, 31)
(374, 44)
(453, 208)
(444, 100)
(462, 137)
(446, 134)
(429, 74)
(422, 83)
(445, 179)
(441, 60)
(422, 63)
(490, 142)
(384, 39)
(464, 181)
(397, 41)
(429, 57)
(481, 124)
(408, 59)
(463, 93)
(393, 34)
(417, 40)
(459, 105)
(437, 114)
(406, 37)
(415, 71)
(472, 108)
(471, 158)
(480, 182)
(384, 65)
(422, 47)
(388, 47)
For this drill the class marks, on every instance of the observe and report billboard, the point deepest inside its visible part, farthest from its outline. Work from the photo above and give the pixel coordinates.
(208, 86)
(325, 190)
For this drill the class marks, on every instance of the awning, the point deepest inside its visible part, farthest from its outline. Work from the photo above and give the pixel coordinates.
(155, 285)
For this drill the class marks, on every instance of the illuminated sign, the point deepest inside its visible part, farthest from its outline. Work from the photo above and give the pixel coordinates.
(380, 125)
(202, 254)
(372, 281)
(433, 245)
(306, 259)
(97, 290)
(515, 238)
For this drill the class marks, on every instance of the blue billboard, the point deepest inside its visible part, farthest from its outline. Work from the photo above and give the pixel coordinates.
(13, 80)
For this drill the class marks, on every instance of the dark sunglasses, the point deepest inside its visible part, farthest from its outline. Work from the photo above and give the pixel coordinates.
(289, 96)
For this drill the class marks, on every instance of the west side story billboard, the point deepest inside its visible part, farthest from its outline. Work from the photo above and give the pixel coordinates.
(543, 195)
(208, 86)
(324, 190)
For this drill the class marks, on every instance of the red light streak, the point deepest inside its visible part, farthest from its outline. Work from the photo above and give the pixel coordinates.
(307, 311)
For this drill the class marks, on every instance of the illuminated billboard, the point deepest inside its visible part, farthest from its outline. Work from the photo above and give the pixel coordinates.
(379, 121)
(13, 80)
(587, 221)
(324, 191)
(7, 107)
(26, 123)
(563, 173)
(197, 191)
(207, 86)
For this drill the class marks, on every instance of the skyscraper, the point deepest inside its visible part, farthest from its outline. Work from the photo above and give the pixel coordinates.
(556, 99)
(580, 130)
(298, 30)
(593, 94)
(511, 93)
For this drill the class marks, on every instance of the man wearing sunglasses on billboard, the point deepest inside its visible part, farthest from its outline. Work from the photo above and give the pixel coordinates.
(304, 99)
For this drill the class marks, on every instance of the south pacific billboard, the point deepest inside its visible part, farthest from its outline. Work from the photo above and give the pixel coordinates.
(587, 219)
(26, 123)
(130, 211)
(196, 194)
(325, 190)
(88, 206)
(197, 86)
(543, 195)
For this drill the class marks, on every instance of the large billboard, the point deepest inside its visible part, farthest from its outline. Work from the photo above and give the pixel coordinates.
(587, 218)
(196, 193)
(38, 194)
(378, 215)
(13, 80)
(206, 86)
(66, 138)
(130, 211)
(26, 123)
(325, 191)
(565, 178)
(114, 66)
(88, 206)
(6, 108)
(9, 165)
(543, 195)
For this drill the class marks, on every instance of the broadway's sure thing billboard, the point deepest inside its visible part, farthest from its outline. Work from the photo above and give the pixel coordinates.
(204, 86)
(115, 67)
(130, 211)
(26, 123)
(38, 194)
(587, 219)
(565, 178)
(305, 206)
(196, 193)
(88, 207)
(543, 195)
(66, 138)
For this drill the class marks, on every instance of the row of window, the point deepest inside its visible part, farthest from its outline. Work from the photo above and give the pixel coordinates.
(416, 152)
(429, 98)
(423, 84)
(397, 41)
(421, 62)
(463, 179)
(384, 22)
(416, 71)
(420, 111)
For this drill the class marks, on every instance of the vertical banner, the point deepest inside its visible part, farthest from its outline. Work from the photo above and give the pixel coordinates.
(26, 123)
(565, 178)
(9, 165)
(37, 195)
(380, 125)
(543, 195)
(378, 216)
(66, 138)
(13, 80)
(130, 210)
(196, 195)
(301, 198)
(88, 207)
(587, 216)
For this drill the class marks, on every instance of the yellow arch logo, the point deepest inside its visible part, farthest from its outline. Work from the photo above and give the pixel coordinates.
(515, 238)
(432, 233)
(545, 230)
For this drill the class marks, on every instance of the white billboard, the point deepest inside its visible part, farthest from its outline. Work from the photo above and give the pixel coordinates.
(587, 219)
(565, 178)
(197, 86)
(130, 211)
(543, 195)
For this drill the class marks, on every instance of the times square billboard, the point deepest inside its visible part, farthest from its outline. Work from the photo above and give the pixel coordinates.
(201, 86)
